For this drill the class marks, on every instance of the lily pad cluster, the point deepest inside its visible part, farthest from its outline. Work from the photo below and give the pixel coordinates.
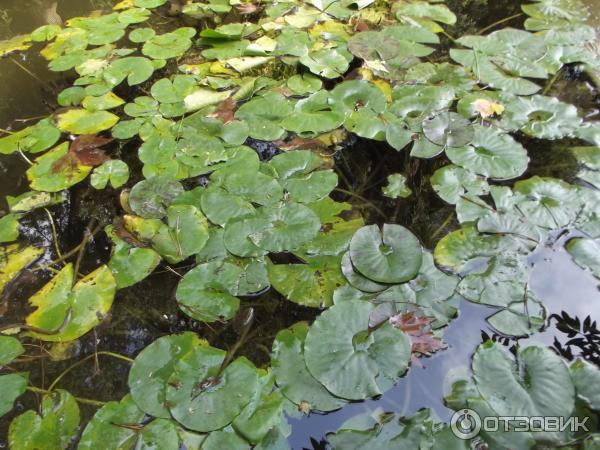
(191, 100)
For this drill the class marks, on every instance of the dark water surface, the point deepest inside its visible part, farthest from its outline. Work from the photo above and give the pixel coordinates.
(147, 311)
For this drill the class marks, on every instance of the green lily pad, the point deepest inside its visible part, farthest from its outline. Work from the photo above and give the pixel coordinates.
(150, 198)
(152, 368)
(310, 284)
(52, 302)
(13, 386)
(9, 228)
(34, 139)
(204, 398)
(448, 129)
(491, 153)
(114, 171)
(313, 115)
(169, 45)
(136, 69)
(208, 292)
(354, 95)
(263, 115)
(393, 256)
(128, 264)
(57, 170)
(119, 425)
(54, 429)
(349, 359)
(328, 63)
(396, 187)
(10, 348)
(292, 375)
(586, 253)
(272, 229)
(541, 117)
(304, 84)
(357, 280)
(451, 183)
(585, 377)
(85, 307)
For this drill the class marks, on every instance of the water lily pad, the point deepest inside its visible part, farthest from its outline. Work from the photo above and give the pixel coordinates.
(448, 129)
(263, 115)
(204, 398)
(208, 292)
(34, 139)
(541, 117)
(136, 69)
(9, 228)
(82, 121)
(304, 84)
(452, 182)
(586, 253)
(348, 358)
(310, 284)
(128, 264)
(391, 256)
(328, 63)
(119, 424)
(114, 171)
(491, 153)
(396, 187)
(272, 229)
(13, 386)
(86, 306)
(585, 377)
(57, 170)
(150, 198)
(52, 302)
(152, 368)
(357, 280)
(53, 429)
(169, 45)
(292, 375)
(354, 95)
(13, 259)
(313, 115)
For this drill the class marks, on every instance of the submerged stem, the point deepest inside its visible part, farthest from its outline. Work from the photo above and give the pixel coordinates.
(499, 22)
(86, 401)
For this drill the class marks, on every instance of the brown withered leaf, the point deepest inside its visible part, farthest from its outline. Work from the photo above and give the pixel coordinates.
(246, 8)
(86, 149)
(418, 328)
(225, 111)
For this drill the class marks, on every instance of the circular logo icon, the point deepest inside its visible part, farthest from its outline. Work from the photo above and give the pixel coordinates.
(465, 424)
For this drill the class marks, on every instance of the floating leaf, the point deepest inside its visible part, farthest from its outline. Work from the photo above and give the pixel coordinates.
(451, 183)
(82, 121)
(396, 187)
(57, 170)
(150, 198)
(448, 129)
(13, 259)
(54, 429)
(9, 228)
(391, 256)
(34, 139)
(292, 375)
(351, 360)
(114, 171)
(152, 368)
(204, 398)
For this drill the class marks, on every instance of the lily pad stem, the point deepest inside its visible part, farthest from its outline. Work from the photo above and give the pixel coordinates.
(54, 234)
(85, 401)
(551, 82)
(67, 255)
(360, 197)
(499, 22)
(83, 361)
(444, 224)
(84, 243)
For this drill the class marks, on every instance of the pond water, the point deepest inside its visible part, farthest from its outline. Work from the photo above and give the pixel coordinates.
(146, 311)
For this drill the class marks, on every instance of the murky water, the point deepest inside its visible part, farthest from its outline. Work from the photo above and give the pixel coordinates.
(146, 311)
